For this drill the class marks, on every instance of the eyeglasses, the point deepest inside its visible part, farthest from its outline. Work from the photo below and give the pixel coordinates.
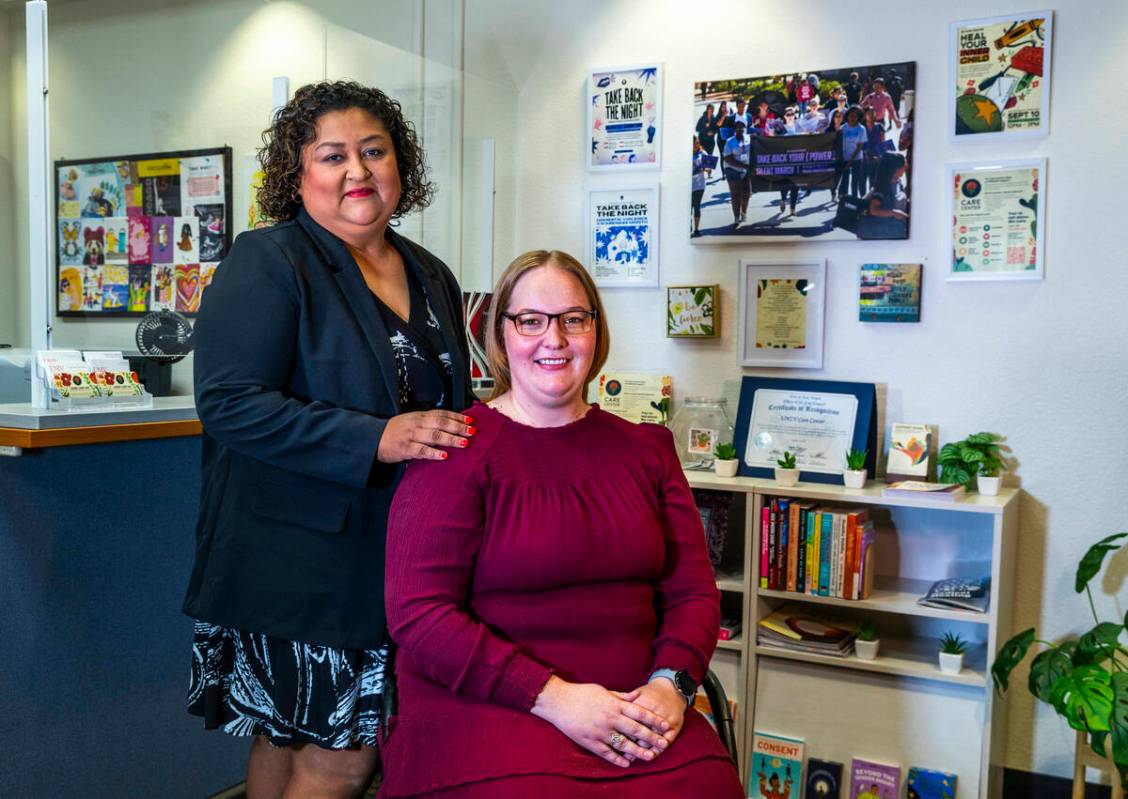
(535, 323)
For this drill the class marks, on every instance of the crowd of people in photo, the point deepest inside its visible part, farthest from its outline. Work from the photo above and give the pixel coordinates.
(870, 165)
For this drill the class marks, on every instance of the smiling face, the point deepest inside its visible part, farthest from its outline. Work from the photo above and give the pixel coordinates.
(350, 182)
(548, 372)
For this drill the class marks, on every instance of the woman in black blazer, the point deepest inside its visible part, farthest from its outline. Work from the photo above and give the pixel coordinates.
(329, 351)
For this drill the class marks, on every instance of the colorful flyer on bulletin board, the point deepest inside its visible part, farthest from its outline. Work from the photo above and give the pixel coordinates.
(997, 213)
(622, 230)
(625, 117)
(1001, 76)
(636, 396)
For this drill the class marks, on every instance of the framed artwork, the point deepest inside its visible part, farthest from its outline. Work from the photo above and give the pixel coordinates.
(1000, 76)
(889, 293)
(781, 313)
(622, 235)
(693, 311)
(625, 118)
(815, 420)
(998, 211)
(140, 233)
(788, 178)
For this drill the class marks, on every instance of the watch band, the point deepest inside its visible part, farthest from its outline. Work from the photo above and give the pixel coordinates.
(683, 683)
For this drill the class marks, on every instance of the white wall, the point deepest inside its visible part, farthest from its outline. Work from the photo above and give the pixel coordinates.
(1044, 363)
(9, 200)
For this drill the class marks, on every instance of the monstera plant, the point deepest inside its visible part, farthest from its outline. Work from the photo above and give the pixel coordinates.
(1084, 679)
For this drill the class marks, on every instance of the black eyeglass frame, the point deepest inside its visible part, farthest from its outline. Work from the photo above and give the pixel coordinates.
(593, 314)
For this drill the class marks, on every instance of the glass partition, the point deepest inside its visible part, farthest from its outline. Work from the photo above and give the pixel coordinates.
(167, 76)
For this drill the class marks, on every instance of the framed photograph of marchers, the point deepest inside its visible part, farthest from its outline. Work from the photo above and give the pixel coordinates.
(1000, 77)
(806, 155)
(625, 118)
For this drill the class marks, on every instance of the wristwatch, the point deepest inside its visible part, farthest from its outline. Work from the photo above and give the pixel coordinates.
(681, 680)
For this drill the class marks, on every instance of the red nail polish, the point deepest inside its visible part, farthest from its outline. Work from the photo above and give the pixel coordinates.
(446, 455)
(463, 442)
(468, 419)
(471, 431)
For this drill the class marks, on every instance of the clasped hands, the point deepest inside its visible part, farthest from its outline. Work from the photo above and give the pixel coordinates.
(619, 727)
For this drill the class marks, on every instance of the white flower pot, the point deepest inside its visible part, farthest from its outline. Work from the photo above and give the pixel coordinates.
(866, 650)
(726, 467)
(989, 486)
(951, 664)
(786, 477)
(854, 478)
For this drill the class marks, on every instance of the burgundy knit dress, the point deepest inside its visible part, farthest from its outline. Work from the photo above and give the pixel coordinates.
(576, 551)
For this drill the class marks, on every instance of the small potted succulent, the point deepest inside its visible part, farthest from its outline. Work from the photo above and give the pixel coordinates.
(977, 456)
(854, 476)
(786, 470)
(866, 642)
(726, 462)
(952, 649)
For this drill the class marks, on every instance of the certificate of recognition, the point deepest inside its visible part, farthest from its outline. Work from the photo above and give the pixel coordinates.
(816, 427)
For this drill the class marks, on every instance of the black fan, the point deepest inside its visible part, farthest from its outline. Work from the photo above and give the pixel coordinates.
(164, 336)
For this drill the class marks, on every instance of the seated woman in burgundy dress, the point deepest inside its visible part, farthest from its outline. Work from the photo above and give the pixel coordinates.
(549, 587)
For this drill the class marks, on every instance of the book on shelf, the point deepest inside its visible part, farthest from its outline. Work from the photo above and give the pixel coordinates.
(910, 452)
(923, 783)
(730, 629)
(702, 706)
(824, 779)
(959, 593)
(869, 780)
(942, 492)
(814, 550)
(795, 628)
(777, 767)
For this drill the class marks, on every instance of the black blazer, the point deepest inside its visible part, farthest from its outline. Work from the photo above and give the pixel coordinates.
(295, 381)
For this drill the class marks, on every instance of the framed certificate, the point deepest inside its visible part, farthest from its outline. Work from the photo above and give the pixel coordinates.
(781, 313)
(815, 420)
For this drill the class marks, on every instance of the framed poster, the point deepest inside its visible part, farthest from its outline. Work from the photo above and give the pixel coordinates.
(625, 117)
(788, 178)
(693, 311)
(998, 211)
(1000, 76)
(815, 420)
(139, 233)
(622, 235)
(781, 313)
(889, 293)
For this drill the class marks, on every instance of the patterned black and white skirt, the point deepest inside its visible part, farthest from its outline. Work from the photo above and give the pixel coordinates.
(253, 684)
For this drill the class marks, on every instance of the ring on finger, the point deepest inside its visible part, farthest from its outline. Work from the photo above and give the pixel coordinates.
(617, 739)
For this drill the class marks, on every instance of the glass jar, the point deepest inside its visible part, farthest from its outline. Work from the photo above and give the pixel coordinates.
(699, 425)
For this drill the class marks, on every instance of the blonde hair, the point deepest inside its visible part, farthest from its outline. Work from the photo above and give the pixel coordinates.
(503, 291)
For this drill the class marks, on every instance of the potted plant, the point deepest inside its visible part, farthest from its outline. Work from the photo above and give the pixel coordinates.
(854, 475)
(786, 472)
(977, 455)
(866, 642)
(726, 461)
(952, 649)
(1083, 679)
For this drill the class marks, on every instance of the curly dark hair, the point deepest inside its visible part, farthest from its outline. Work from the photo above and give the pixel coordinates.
(295, 125)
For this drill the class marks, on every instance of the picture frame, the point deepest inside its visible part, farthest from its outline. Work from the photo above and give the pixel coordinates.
(997, 211)
(693, 311)
(889, 292)
(816, 420)
(622, 235)
(1000, 74)
(777, 327)
(140, 232)
(624, 118)
(797, 186)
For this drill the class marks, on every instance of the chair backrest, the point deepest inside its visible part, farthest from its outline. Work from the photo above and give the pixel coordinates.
(722, 714)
